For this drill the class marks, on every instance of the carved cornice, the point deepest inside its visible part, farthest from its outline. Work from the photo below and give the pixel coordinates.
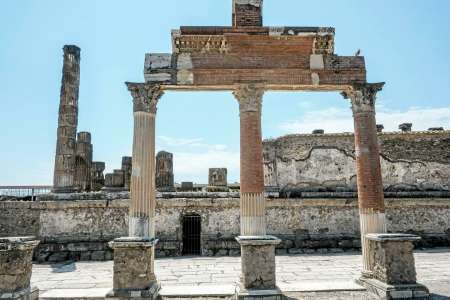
(145, 96)
(249, 97)
(363, 96)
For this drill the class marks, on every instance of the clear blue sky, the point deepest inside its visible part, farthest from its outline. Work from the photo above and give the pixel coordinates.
(405, 42)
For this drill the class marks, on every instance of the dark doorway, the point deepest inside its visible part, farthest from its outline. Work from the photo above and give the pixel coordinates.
(191, 234)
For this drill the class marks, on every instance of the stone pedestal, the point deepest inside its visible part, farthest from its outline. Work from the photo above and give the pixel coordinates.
(392, 271)
(258, 279)
(133, 274)
(16, 254)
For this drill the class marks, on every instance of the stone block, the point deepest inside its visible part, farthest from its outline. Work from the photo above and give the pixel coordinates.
(133, 273)
(392, 271)
(258, 262)
(16, 255)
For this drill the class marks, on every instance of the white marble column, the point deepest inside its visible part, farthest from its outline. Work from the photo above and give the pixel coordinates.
(142, 206)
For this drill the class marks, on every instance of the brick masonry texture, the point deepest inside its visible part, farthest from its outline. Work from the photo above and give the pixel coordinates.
(79, 230)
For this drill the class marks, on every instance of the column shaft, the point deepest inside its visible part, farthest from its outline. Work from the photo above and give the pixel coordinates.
(253, 220)
(142, 206)
(64, 171)
(368, 167)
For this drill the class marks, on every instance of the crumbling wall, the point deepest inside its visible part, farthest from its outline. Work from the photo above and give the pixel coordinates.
(80, 229)
(417, 161)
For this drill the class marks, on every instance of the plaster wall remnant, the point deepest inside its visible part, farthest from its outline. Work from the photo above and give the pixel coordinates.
(83, 161)
(81, 226)
(64, 171)
(164, 172)
(303, 163)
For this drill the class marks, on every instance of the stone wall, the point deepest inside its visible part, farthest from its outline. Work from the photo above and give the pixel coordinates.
(415, 161)
(80, 229)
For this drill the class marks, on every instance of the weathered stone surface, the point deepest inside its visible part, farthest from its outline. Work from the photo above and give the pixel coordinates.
(392, 271)
(258, 262)
(72, 225)
(164, 171)
(64, 171)
(405, 127)
(416, 161)
(97, 177)
(15, 263)
(133, 265)
(217, 177)
(83, 161)
(126, 168)
(391, 258)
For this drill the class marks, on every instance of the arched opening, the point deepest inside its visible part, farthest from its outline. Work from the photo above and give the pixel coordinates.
(191, 234)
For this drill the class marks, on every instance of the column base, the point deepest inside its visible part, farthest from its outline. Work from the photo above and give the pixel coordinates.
(133, 273)
(150, 293)
(26, 294)
(258, 262)
(253, 294)
(397, 291)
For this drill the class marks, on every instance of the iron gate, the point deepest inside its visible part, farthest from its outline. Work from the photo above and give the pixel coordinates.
(191, 234)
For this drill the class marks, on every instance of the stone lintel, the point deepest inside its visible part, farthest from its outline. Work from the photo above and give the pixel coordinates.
(258, 240)
(392, 237)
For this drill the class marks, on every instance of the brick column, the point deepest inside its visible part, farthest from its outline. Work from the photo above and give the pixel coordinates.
(142, 206)
(368, 168)
(253, 221)
(64, 171)
(257, 249)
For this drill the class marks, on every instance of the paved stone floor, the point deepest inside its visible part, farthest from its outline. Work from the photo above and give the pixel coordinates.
(301, 276)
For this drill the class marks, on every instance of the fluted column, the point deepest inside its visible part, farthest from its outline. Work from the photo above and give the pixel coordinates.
(368, 167)
(252, 204)
(142, 206)
(64, 171)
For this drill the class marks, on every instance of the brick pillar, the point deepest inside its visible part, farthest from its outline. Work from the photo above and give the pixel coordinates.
(142, 206)
(368, 168)
(253, 221)
(247, 13)
(64, 171)
(257, 248)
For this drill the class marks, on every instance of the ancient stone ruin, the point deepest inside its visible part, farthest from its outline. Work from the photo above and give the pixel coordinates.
(298, 194)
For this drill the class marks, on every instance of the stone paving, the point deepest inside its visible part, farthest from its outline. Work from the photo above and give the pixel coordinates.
(307, 273)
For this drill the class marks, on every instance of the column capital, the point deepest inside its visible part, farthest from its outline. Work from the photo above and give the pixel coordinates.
(363, 96)
(249, 97)
(145, 96)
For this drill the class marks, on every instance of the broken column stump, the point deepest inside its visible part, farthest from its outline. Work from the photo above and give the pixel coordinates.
(16, 255)
(392, 268)
(133, 274)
